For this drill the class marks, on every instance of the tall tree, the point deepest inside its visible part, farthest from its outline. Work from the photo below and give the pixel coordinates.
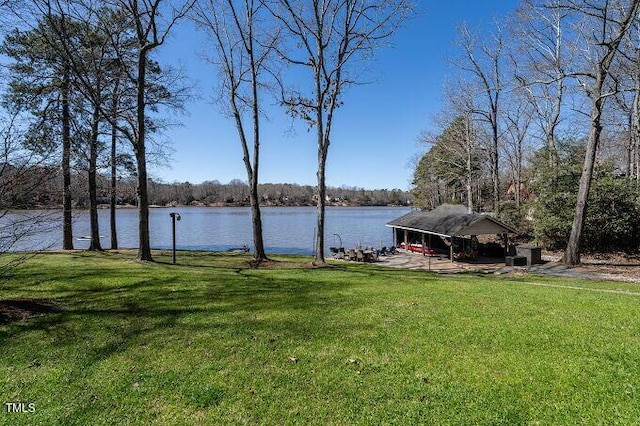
(244, 52)
(89, 39)
(485, 62)
(453, 158)
(328, 38)
(114, 27)
(153, 20)
(163, 88)
(629, 100)
(518, 117)
(541, 58)
(41, 83)
(86, 49)
(603, 27)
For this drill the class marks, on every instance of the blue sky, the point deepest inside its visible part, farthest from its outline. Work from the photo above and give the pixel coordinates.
(374, 134)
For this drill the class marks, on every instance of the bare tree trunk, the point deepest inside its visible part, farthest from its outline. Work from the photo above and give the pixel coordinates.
(557, 103)
(144, 244)
(256, 218)
(636, 149)
(551, 144)
(469, 188)
(629, 159)
(113, 201)
(601, 72)
(322, 194)
(519, 156)
(258, 242)
(469, 180)
(495, 172)
(572, 253)
(93, 196)
(144, 249)
(252, 174)
(323, 148)
(634, 131)
(251, 169)
(67, 220)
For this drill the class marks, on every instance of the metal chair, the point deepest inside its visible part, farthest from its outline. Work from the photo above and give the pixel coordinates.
(351, 254)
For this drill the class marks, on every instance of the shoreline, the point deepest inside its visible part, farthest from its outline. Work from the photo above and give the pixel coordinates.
(155, 206)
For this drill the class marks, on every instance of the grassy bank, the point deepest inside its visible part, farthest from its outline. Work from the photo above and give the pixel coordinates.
(213, 341)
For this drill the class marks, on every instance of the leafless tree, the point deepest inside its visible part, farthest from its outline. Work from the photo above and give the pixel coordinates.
(113, 158)
(467, 142)
(541, 55)
(629, 101)
(484, 62)
(602, 27)
(328, 38)
(518, 117)
(244, 51)
(22, 174)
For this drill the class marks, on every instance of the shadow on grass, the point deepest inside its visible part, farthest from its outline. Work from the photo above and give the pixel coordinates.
(153, 310)
(104, 309)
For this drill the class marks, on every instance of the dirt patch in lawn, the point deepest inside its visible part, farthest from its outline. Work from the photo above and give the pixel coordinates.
(12, 310)
(280, 264)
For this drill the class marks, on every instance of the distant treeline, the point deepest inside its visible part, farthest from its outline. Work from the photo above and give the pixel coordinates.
(45, 191)
(236, 193)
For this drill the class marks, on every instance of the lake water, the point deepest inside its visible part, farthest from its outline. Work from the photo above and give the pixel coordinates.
(286, 229)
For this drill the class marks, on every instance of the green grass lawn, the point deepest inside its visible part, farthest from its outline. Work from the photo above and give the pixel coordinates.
(213, 341)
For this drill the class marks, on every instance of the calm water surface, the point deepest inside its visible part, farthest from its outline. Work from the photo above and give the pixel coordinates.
(286, 229)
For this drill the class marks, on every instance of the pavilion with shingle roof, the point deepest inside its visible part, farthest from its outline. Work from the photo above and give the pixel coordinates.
(448, 222)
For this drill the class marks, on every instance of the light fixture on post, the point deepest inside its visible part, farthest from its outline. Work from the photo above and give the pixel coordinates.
(174, 216)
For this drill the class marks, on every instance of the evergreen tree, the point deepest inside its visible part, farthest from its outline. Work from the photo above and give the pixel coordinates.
(41, 84)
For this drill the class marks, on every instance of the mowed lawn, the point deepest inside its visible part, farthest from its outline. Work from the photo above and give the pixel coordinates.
(214, 341)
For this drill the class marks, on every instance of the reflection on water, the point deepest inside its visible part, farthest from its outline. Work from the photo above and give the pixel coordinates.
(286, 229)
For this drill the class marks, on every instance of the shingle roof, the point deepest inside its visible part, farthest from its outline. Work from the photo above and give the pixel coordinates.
(448, 220)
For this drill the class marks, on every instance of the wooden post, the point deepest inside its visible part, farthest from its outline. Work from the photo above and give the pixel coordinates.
(451, 249)
(505, 237)
(406, 239)
(429, 249)
(424, 248)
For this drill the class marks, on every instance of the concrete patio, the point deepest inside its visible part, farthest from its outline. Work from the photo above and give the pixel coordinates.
(441, 264)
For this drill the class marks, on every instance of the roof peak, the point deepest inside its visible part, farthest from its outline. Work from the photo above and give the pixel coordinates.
(450, 209)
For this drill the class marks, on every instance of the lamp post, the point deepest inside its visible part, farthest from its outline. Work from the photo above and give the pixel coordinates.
(174, 217)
